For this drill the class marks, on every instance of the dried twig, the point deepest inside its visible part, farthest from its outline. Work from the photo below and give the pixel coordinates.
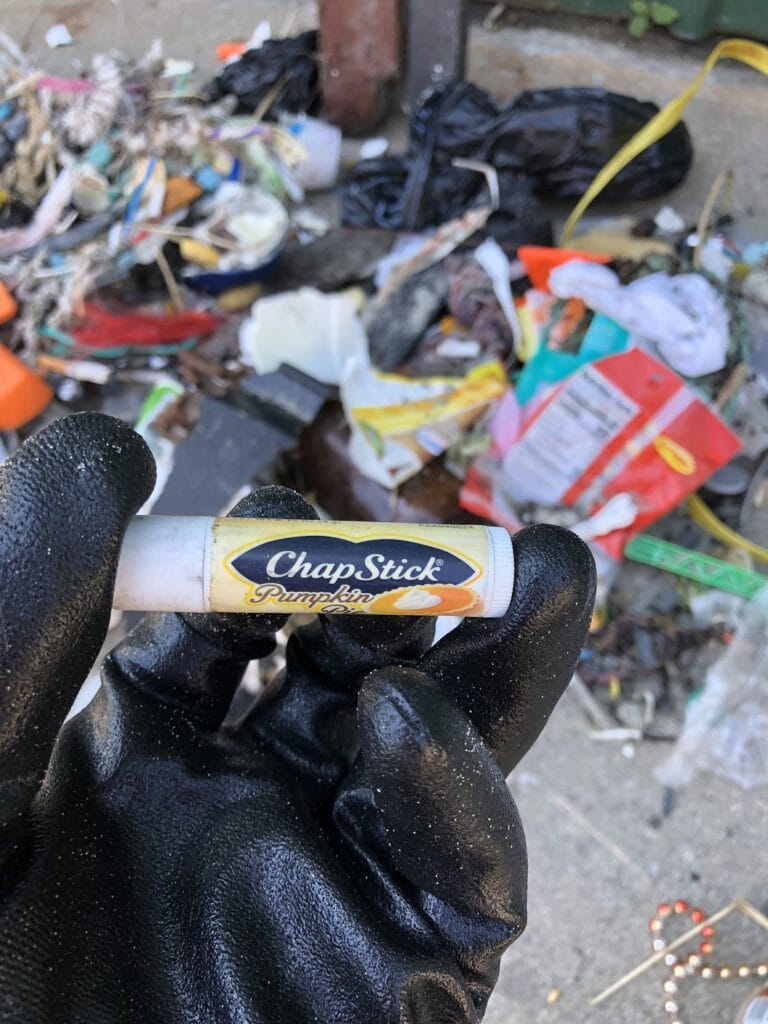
(723, 180)
(731, 386)
(494, 16)
(594, 710)
(578, 818)
(215, 240)
(170, 281)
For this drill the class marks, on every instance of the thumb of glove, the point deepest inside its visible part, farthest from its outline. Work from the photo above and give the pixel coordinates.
(65, 499)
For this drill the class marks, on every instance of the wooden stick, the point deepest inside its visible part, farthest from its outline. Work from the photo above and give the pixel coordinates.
(172, 233)
(170, 281)
(580, 691)
(494, 16)
(579, 819)
(724, 179)
(269, 99)
(752, 913)
(731, 386)
(19, 87)
(660, 954)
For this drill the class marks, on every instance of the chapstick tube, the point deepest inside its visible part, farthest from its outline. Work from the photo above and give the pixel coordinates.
(202, 564)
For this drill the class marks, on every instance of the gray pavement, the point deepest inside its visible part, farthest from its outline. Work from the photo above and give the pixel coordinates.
(599, 858)
(600, 864)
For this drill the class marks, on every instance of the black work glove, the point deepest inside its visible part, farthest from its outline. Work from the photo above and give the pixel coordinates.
(352, 854)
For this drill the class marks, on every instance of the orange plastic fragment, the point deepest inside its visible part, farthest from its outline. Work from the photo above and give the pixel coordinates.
(540, 260)
(225, 51)
(180, 192)
(8, 307)
(23, 395)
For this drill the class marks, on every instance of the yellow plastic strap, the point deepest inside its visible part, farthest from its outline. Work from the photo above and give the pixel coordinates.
(736, 49)
(704, 517)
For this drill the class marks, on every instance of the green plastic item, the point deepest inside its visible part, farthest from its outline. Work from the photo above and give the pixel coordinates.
(160, 397)
(698, 18)
(710, 572)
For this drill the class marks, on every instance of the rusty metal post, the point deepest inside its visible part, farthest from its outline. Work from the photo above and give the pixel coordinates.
(437, 44)
(359, 56)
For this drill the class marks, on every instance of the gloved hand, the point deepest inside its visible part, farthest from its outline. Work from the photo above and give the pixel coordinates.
(351, 854)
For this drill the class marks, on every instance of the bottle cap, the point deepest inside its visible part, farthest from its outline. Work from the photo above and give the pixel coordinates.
(23, 395)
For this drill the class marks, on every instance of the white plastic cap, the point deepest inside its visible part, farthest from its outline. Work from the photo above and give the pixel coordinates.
(162, 565)
(501, 572)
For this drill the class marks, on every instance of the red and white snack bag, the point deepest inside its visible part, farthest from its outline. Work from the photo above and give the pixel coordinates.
(624, 424)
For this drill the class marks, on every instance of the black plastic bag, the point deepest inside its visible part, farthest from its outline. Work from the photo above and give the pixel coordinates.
(423, 188)
(520, 218)
(563, 137)
(557, 138)
(291, 61)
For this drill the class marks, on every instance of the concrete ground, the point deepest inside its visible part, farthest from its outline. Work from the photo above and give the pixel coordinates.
(601, 855)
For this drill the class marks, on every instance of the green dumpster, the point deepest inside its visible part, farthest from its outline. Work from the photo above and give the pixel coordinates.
(698, 18)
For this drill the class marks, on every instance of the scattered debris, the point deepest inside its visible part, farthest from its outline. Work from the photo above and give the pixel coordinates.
(165, 256)
(681, 317)
(623, 424)
(726, 724)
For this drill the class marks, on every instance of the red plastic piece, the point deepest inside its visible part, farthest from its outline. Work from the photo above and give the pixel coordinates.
(225, 51)
(99, 328)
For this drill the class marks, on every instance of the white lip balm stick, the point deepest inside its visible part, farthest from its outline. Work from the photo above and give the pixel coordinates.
(201, 564)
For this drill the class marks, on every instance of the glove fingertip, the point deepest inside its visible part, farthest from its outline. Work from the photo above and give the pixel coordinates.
(437, 787)
(88, 457)
(273, 502)
(555, 565)
(507, 674)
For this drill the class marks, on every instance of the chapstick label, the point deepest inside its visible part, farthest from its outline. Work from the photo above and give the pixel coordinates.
(347, 567)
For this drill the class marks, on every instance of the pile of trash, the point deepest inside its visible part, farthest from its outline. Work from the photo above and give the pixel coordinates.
(122, 179)
(429, 355)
